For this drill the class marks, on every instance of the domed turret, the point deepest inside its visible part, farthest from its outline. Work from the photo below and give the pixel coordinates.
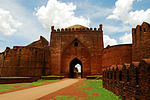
(77, 26)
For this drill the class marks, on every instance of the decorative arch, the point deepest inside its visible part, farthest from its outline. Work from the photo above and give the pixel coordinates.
(76, 40)
(75, 50)
(72, 67)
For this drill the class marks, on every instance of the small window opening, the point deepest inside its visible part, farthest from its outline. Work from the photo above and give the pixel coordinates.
(115, 75)
(110, 75)
(137, 78)
(128, 76)
(76, 44)
(35, 53)
(120, 75)
(144, 30)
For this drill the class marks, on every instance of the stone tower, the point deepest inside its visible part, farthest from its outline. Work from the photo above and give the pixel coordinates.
(141, 42)
(76, 45)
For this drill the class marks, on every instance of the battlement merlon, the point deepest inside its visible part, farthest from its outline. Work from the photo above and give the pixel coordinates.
(133, 31)
(101, 27)
(52, 29)
(83, 29)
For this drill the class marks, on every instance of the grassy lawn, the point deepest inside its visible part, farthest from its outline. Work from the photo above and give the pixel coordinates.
(95, 87)
(92, 87)
(64, 98)
(95, 76)
(52, 76)
(10, 87)
(13, 77)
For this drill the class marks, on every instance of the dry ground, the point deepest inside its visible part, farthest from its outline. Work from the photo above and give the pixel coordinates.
(69, 91)
(38, 92)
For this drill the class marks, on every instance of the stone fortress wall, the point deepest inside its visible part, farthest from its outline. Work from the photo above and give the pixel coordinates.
(131, 81)
(39, 58)
(31, 60)
(117, 55)
(141, 42)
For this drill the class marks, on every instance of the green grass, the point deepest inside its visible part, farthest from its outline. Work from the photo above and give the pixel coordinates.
(93, 86)
(52, 76)
(64, 98)
(10, 87)
(14, 77)
(95, 76)
(96, 87)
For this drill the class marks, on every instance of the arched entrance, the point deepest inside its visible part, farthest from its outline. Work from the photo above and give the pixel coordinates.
(73, 70)
(75, 54)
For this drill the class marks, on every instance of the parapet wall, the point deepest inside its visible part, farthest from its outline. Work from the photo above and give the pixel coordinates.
(116, 55)
(40, 43)
(130, 81)
(76, 29)
(25, 61)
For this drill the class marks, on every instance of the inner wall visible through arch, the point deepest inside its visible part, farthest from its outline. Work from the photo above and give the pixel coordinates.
(75, 68)
(78, 66)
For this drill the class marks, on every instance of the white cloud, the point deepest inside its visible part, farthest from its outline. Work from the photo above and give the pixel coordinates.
(59, 14)
(1, 50)
(109, 41)
(138, 16)
(122, 11)
(8, 25)
(30, 30)
(126, 38)
(5, 42)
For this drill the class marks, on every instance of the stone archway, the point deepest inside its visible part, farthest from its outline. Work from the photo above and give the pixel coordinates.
(74, 62)
(75, 50)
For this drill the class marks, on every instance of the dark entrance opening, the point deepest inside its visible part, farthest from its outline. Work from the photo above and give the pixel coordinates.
(74, 71)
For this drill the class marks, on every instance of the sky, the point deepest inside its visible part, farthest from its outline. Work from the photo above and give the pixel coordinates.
(24, 21)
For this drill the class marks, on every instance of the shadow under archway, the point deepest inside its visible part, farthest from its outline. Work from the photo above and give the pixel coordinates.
(72, 67)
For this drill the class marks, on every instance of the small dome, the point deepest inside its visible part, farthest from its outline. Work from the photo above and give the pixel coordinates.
(76, 26)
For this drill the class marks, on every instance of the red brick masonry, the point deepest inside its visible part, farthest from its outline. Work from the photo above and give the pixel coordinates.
(70, 46)
(131, 81)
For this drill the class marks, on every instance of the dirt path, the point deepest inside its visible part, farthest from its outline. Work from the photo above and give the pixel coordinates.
(69, 91)
(37, 92)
